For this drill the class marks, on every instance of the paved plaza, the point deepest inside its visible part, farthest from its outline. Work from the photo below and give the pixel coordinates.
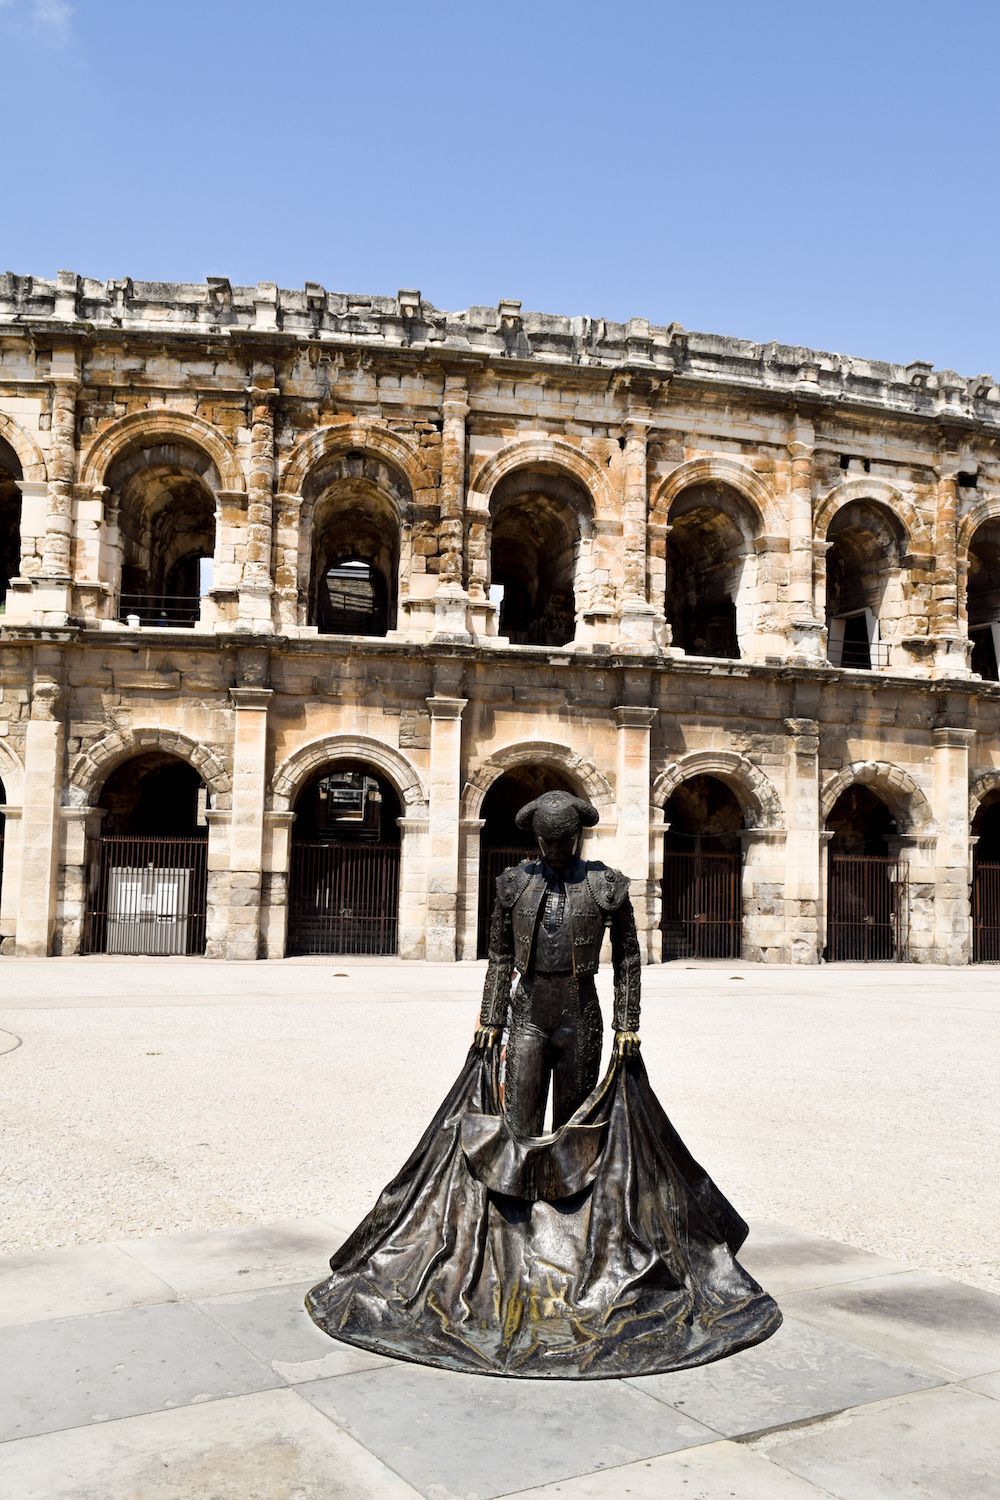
(186, 1142)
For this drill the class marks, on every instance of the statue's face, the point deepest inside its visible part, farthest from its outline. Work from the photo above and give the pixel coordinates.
(559, 849)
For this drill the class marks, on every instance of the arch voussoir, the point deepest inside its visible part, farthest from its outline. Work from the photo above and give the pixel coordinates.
(93, 766)
(332, 749)
(906, 800)
(753, 790)
(577, 770)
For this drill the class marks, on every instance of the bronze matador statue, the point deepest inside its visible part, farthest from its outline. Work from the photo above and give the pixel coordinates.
(549, 923)
(600, 1249)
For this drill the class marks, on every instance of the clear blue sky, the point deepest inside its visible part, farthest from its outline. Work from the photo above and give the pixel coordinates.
(823, 174)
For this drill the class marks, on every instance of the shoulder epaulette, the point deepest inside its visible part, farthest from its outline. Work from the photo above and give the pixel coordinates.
(608, 887)
(511, 882)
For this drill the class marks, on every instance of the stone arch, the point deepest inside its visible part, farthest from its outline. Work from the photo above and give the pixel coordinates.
(540, 452)
(986, 509)
(11, 774)
(29, 455)
(878, 492)
(988, 781)
(296, 768)
(367, 437)
(590, 782)
(752, 789)
(905, 799)
(146, 428)
(92, 767)
(716, 470)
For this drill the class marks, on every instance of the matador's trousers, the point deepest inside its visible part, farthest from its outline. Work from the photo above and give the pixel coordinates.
(555, 1032)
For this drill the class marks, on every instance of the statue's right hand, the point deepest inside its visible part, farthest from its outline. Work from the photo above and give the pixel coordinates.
(487, 1037)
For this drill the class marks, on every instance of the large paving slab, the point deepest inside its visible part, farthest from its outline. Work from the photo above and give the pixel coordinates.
(69, 1283)
(718, 1471)
(797, 1375)
(72, 1372)
(203, 1265)
(785, 1260)
(272, 1446)
(938, 1445)
(467, 1437)
(274, 1325)
(939, 1325)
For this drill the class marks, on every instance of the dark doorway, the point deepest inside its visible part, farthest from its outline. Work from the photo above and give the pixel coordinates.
(343, 890)
(701, 892)
(986, 881)
(501, 842)
(148, 868)
(3, 825)
(867, 893)
(353, 599)
(10, 520)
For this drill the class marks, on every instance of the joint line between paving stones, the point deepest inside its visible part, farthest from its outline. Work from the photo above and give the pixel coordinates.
(349, 1434)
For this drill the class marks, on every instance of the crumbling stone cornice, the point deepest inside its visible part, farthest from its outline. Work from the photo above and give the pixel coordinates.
(69, 306)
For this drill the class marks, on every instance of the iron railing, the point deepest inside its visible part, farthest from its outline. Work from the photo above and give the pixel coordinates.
(175, 611)
(860, 656)
(867, 909)
(986, 913)
(147, 895)
(343, 897)
(494, 858)
(701, 904)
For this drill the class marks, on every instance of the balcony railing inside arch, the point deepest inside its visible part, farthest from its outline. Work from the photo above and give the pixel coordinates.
(172, 611)
(861, 656)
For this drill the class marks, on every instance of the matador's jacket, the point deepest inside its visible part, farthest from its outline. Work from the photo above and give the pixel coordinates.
(596, 899)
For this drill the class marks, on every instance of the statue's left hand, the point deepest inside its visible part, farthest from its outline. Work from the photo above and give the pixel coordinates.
(486, 1038)
(626, 1043)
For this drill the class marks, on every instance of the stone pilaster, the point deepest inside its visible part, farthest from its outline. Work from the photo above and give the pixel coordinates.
(246, 829)
(256, 583)
(637, 614)
(805, 629)
(803, 896)
(451, 600)
(52, 586)
(953, 873)
(632, 795)
(443, 854)
(43, 767)
(951, 650)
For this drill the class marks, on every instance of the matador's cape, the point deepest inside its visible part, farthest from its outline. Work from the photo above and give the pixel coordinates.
(600, 1250)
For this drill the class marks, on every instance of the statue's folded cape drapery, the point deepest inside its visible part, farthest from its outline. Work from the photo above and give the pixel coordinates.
(602, 1250)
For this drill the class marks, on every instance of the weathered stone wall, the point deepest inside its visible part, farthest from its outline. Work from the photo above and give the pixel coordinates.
(662, 462)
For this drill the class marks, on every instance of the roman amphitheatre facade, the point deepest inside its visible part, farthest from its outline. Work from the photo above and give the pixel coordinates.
(304, 594)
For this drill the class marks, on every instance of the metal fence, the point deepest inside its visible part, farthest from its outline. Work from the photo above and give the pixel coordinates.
(868, 909)
(862, 656)
(146, 895)
(343, 897)
(701, 904)
(493, 858)
(986, 913)
(178, 611)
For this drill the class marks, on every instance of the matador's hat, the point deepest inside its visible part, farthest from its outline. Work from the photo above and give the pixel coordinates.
(554, 814)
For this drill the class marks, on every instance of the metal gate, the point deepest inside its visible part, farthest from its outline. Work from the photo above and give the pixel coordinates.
(701, 913)
(867, 909)
(492, 860)
(986, 913)
(344, 898)
(147, 895)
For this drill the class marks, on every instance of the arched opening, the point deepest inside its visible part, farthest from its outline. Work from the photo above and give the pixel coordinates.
(355, 508)
(501, 842)
(3, 827)
(701, 894)
(10, 520)
(864, 592)
(534, 551)
(710, 570)
(166, 533)
(148, 868)
(867, 897)
(986, 881)
(343, 890)
(983, 599)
